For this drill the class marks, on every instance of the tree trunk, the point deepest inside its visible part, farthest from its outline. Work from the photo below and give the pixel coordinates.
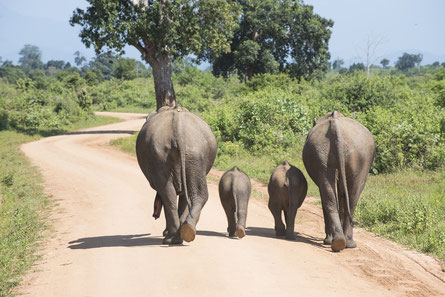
(162, 75)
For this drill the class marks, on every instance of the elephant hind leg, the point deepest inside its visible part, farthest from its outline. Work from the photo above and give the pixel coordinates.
(329, 203)
(229, 209)
(198, 193)
(355, 189)
(327, 228)
(280, 229)
(168, 195)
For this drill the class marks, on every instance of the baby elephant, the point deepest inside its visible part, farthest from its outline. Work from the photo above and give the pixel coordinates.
(287, 190)
(234, 192)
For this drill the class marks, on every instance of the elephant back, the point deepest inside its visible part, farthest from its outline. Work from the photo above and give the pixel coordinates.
(170, 135)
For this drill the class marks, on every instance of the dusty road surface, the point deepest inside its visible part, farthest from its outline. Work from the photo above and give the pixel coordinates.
(105, 243)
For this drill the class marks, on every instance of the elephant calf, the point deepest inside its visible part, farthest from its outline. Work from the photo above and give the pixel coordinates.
(234, 192)
(287, 190)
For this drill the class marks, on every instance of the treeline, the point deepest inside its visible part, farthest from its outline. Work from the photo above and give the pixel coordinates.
(407, 64)
(102, 67)
(269, 112)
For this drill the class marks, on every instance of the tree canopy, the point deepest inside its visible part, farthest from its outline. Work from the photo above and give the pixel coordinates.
(384, 62)
(407, 61)
(31, 57)
(274, 36)
(161, 30)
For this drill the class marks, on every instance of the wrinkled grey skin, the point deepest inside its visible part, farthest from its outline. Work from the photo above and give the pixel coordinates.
(287, 190)
(234, 192)
(175, 150)
(338, 154)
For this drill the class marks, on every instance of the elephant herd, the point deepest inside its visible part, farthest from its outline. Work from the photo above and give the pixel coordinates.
(176, 150)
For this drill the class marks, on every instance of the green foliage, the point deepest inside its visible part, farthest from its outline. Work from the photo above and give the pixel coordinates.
(200, 90)
(125, 69)
(112, 94)
(269, 33)
(173, 25)
(357, 67)
(274, 112)
(384, 62)
(438, 87)
(21, 211)
(359, 93)
(263, 119)
(106, 63)
(407, 61)
(12, 74)
(79, 59)
(26, 108)
(31, 57)
(408, 207)
(407, 135)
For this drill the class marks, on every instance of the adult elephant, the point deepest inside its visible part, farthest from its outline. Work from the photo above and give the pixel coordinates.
(175, 150)
(338, 154)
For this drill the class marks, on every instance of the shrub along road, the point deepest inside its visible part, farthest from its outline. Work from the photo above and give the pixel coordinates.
(105, 242)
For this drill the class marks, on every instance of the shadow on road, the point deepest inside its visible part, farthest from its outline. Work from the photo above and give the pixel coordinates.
(131, 132)
(270, 233)
(210, 233)
(114, 241)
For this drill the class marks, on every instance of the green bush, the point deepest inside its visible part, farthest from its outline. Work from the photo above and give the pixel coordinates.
(26, 108)
(261, 119)
(408, 135)
(360, 93)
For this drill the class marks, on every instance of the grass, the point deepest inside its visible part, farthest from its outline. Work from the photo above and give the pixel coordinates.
(126, 144)
(407, 207)
(24, 207)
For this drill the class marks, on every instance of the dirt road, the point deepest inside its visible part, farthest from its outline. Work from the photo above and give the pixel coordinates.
(105, 243)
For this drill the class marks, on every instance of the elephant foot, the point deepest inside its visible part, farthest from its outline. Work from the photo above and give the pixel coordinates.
(338, 244)
(172, 240)
(290, 236)
(188, 232)
(280, 232)
(165, 232)
(231, 232)
(350, 244)
(328, 239)
(240, 232)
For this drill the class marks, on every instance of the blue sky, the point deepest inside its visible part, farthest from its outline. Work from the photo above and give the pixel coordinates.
(399, 25)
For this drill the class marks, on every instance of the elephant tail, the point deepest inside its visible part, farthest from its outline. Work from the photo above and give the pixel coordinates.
(339, 144)
(181, 148)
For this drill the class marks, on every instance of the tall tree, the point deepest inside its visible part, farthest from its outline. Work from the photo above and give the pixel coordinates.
(125, 69)
(370, 50)
(384, 62)
(105, 62)
(31, 57)
(357, 67)
(58, 64)
(162, 31)
(79, 59)
(276, 35)
(337, 63)
(407, 61)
